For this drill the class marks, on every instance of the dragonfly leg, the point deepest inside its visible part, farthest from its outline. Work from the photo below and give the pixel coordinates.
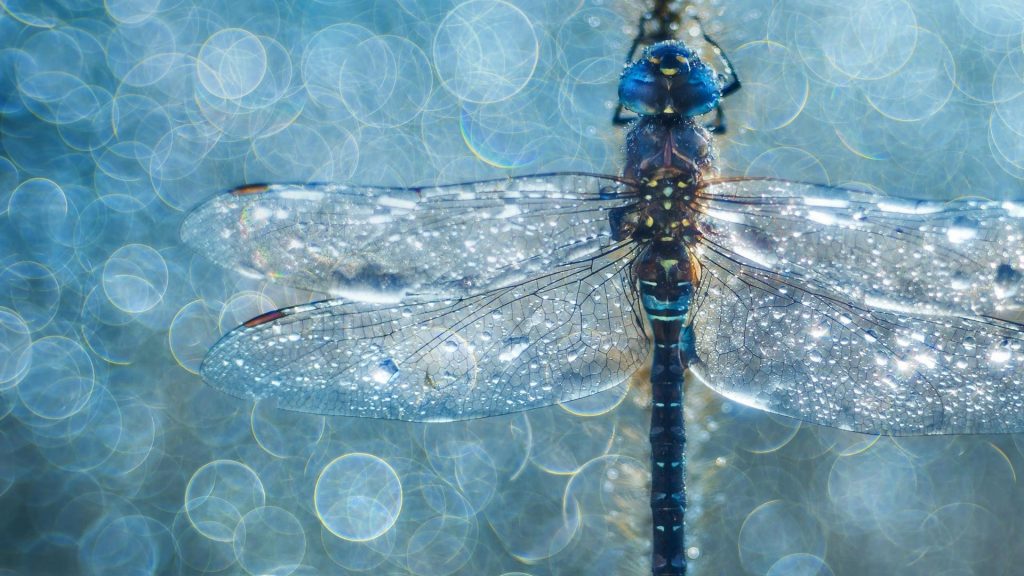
(717, 126)
(641, 38)
(730, 83)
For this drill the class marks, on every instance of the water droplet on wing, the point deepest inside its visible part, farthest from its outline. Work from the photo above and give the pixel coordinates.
(1008, 281)
(962, 230)
(513, 347)
(1000, 354)
(385, 371)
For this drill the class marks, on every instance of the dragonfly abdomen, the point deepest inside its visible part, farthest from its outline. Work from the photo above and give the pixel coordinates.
(668, 461)
(664, 275)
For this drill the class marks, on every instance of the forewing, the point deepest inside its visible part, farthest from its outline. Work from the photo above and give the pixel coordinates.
(380, 244)
(561, 336)
(947, 258)
(804, 352)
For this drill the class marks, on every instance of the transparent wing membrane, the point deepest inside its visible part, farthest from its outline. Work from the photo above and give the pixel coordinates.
(563, 335)
(381, 244)
(842, 308)
(937, 258)
(805, 352)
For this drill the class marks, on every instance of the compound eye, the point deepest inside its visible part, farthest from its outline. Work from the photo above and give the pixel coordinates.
(698, 95)
(641, 89)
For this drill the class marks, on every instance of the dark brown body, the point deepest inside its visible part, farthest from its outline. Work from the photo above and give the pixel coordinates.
(668, 156)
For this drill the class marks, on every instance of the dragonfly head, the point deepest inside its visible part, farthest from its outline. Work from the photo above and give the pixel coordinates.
(669, 78)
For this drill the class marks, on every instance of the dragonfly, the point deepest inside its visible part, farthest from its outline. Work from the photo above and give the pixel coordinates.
(843, 308)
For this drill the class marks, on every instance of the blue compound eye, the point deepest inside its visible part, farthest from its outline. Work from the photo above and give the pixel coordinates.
(698, 95)
(669, 79)
(642, 90)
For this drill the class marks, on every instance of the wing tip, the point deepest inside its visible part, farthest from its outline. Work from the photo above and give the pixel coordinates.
(264, 318)
(249, 189)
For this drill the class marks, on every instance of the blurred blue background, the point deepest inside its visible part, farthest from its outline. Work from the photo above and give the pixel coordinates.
(117, 118)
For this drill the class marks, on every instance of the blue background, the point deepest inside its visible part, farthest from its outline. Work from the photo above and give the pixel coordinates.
(116, 119)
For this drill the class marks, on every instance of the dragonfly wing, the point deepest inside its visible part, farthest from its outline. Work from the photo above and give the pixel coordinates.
(380, 244)
(946, 258)
(802, 351)
(564, 335)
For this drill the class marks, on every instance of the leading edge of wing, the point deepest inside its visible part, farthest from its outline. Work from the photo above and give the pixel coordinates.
(447, 241)
(257, 188)
(963, 256)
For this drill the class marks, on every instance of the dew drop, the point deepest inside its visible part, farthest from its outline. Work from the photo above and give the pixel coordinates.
(969, 343)
(756, 246)
(1000, 355)
(814, 356)
(1008, 281)
(959, 281)
(513, 347)
(385, 371)
(926, 360)
(962, 230)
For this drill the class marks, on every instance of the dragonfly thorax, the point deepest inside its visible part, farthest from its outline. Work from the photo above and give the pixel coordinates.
(666, 208)
(668, 142)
